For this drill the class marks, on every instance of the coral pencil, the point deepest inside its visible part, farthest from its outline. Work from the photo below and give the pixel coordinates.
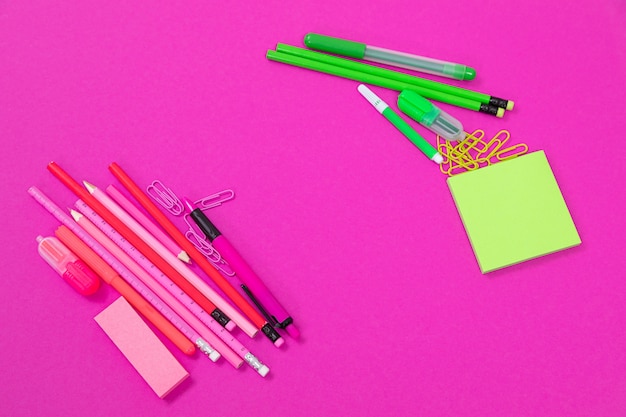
(71, 235)
(167, 284)
(202, 262)
(90, 255)
(187, 322)
(171, 259)
(136, 241)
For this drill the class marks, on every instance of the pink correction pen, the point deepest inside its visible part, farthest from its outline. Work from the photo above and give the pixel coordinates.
(72, 269)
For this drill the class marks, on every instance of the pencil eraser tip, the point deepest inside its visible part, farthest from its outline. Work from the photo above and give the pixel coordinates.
(500, 112)
(438, 159)
(230, 326)
(214, 356)
(510, 104)
(279, 342)
(292, 331)
(263, 370)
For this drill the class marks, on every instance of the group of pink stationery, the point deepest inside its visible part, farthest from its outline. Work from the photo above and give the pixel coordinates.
(146, 259)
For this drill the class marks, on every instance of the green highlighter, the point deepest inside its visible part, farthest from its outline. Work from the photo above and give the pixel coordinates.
(387, 56)
(432, 117)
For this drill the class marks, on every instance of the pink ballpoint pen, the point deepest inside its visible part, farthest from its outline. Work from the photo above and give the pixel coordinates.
(260, 295)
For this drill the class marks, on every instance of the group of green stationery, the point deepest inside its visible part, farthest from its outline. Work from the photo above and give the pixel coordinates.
(512, 211)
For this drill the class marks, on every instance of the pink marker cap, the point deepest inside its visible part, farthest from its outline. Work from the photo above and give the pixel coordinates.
(293, 331)
(72, 269)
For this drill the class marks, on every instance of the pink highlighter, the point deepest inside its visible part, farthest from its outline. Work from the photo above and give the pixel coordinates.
(260, 295)
(72, 269)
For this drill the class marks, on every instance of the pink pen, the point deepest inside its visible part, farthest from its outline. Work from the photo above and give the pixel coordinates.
(139, 264)
(260, 295)
(145, 221)
(72, 269)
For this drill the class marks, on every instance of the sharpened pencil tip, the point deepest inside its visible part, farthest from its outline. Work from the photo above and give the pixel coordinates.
(90, 187)
(183, 256)
(75, 214)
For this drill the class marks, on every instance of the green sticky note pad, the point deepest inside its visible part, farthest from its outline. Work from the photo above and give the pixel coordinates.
(513, 211)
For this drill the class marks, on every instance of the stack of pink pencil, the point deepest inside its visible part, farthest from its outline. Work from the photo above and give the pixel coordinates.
(145, 258)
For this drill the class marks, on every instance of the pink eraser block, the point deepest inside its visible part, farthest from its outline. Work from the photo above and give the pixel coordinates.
(154, 362)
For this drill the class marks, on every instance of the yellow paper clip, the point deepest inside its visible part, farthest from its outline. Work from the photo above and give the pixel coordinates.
(473, 152)
(512, 151)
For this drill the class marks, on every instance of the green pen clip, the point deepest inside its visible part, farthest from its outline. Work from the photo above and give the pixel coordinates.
(432, 117)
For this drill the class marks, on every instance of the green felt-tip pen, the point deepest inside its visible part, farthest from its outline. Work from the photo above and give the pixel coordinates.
(360, 50)
(400, 124)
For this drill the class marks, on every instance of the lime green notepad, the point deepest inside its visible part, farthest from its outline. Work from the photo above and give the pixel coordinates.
(513, 211)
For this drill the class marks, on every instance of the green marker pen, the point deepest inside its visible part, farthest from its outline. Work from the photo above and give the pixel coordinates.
(401, 125)
(387, 56)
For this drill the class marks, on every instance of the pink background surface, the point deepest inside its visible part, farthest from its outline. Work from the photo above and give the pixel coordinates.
(353, 229)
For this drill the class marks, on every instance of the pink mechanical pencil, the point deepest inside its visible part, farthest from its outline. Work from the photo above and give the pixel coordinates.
(260, 295)
(165, 282)
(234, 315)
(201, 331)
(145, 221)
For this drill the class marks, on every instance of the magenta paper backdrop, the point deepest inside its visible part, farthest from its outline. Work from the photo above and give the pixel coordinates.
(353, 229)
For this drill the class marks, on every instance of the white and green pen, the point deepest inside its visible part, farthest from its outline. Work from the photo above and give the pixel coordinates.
(360, 50)
(401, 125)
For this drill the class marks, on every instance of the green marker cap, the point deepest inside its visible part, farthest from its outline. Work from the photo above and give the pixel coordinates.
(417, 107)
(335, 45)
(469, 73)
(427, 114)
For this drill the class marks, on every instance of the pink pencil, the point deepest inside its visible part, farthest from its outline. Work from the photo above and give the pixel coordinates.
(145, 221)
(201, 330)
(164, 281)
(234, 315)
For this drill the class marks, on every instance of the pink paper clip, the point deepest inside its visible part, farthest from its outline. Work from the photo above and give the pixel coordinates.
(215, 200)
(199, 240)
(165, 197)
(170, 201)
